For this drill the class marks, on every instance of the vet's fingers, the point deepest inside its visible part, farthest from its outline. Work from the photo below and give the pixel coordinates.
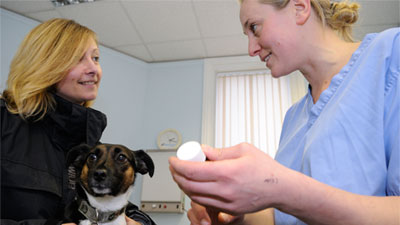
(194, 220)
(216, 203)
(203, 188)
(216, 154)
(199, 212)
(198, 215)
(213, 215)
(221, 218)
(199, 171)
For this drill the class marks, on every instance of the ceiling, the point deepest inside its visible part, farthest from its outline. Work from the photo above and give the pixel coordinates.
(172, 30)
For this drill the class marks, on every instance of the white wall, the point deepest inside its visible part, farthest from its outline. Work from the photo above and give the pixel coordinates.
(13, 30)
(139, 99)
(174, 100)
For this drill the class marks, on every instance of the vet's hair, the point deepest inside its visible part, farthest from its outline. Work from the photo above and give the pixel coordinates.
(43, 59)
(340, 16)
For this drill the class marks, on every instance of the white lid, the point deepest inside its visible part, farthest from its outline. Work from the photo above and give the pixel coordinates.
(191, 151)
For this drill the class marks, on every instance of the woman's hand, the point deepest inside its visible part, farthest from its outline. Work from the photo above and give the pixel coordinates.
(199, 215)
(237, 180)
(130, 221)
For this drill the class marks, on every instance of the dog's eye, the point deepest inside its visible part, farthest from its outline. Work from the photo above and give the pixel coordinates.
(92, 157)
(121, 158)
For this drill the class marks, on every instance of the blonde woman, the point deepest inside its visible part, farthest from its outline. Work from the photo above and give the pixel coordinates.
(338, 160)
(54, 78)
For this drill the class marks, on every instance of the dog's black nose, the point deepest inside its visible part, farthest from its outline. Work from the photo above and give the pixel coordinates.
(100, 174)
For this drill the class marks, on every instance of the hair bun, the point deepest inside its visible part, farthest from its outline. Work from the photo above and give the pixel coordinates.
(343, 14)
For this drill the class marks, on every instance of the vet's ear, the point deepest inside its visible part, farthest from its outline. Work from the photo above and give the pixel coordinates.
(303, 10)
(76, 156)
(143, 163)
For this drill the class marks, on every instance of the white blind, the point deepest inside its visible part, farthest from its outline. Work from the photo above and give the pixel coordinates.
(250, 107)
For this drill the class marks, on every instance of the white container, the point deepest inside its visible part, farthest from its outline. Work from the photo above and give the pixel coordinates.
(191, 151)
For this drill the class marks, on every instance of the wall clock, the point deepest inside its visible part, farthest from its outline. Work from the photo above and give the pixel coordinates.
(169, 139)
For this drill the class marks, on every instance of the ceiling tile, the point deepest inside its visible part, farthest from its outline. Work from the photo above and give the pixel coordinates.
(27, 6)
(44, 15)
(233, 45)
(107, 19)
(219, 18)
(197, 28)
(177, 50)
(159, 21)
(137, 51)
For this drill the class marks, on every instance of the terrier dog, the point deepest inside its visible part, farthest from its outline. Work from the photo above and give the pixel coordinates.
(103, 177)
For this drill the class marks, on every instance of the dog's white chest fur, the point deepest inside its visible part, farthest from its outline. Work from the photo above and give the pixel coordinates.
(107, 204)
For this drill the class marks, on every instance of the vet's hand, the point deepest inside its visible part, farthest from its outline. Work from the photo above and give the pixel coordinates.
(199, 215)
(130, 221)
(237, 180)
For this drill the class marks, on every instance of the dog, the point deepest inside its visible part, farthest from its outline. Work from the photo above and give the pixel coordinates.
(103, 177)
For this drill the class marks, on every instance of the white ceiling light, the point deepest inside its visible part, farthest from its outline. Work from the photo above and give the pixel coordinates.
(58, 3)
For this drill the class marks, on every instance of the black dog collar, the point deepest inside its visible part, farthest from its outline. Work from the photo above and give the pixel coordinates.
(96, 216)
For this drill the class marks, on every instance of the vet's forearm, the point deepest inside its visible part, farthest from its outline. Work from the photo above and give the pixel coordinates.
(317, 203)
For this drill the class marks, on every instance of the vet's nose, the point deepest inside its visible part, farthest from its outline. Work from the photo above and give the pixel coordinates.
(100, 174)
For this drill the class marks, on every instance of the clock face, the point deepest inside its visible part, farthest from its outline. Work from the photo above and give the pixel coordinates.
(169, 139)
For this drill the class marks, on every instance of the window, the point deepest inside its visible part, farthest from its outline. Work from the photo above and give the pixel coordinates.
(286, 90)
(250, 107)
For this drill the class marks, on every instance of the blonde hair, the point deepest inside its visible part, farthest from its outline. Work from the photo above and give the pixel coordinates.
(340, 16)
(43, 59)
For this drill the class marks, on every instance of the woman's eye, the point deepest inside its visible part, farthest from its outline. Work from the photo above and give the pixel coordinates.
(121, 158)
(253, 28)
(92, 157)
(96, 58)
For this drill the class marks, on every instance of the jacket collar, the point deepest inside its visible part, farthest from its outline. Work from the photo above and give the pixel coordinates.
(71, 124)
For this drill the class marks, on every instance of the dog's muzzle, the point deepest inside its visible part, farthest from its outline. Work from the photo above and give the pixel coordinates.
(99, 182)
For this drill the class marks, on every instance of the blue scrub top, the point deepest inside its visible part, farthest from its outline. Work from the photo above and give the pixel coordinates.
(350, 138)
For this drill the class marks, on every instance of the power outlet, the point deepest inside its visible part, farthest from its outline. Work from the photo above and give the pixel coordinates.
(167, 207)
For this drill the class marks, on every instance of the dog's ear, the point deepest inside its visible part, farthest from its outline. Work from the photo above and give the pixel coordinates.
(143, 162)
(75, 159)
(76, 156)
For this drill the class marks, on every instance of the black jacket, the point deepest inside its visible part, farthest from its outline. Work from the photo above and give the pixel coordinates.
(33, 173)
